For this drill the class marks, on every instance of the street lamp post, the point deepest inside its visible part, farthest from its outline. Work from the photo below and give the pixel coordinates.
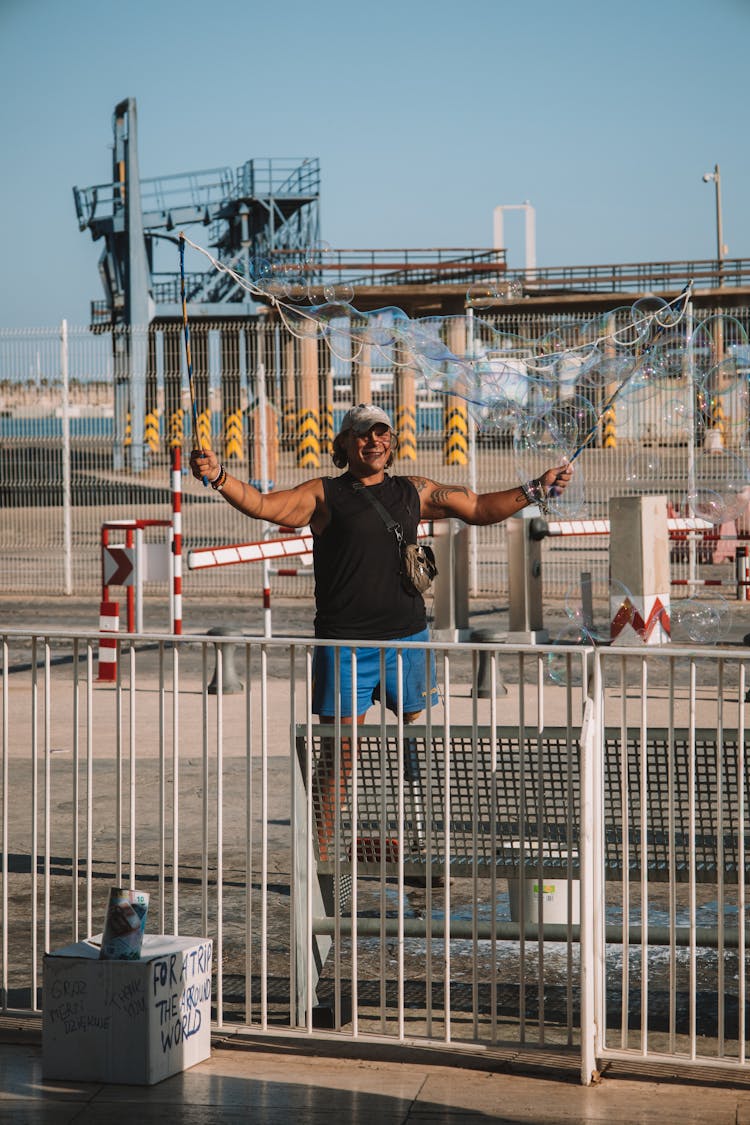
(715, 178)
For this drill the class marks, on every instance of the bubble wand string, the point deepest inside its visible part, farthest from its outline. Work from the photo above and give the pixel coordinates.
(197, 443)
(680, 303)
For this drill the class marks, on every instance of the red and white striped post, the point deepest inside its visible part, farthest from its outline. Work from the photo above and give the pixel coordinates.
(176, 540)
(109, 622)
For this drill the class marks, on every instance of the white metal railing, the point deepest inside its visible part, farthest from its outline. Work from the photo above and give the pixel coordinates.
(162, 781)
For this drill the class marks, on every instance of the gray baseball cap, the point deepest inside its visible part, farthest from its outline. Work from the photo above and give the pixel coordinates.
(363, 417)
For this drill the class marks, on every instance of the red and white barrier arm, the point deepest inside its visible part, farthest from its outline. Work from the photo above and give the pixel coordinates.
(201, 558)
(601, 527)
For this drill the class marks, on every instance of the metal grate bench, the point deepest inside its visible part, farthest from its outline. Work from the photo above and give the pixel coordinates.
(499, 815)
(510, 808)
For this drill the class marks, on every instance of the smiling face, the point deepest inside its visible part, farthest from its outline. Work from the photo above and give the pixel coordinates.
(368, 454)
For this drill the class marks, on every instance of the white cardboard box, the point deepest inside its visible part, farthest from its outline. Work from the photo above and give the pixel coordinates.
(133, 1022)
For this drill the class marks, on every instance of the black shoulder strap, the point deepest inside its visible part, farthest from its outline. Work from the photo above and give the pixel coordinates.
(384, 514)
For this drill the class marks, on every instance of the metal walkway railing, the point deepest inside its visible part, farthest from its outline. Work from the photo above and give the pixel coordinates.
(156, 782)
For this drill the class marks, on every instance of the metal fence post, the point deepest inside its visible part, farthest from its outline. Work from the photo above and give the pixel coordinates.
(67, 533)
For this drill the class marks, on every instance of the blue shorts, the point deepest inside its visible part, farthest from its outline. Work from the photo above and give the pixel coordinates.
(368, 678)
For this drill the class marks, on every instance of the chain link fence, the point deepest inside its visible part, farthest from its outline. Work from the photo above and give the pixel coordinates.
(88, 420)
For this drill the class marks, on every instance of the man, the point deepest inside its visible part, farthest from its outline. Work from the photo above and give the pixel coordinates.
(359, 593)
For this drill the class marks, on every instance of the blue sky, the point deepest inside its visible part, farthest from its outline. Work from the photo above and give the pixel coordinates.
(425, 115)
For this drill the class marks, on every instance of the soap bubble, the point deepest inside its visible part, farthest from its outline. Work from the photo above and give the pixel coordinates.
(573, 420)
(341, 291)
(591, 629)
(563, 666)
(493, 291)
(570, 504)
(676, 416)
(698, 621)
(537, 445)
(644, 467)
(722, 486)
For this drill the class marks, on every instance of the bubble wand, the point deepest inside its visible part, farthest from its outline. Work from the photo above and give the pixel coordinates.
(197, 443)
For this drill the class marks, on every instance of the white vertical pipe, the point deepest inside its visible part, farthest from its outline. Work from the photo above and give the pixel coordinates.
(592, 960)
(176, 788)
(530, 233)
(692, 559)
(140, 573)
(89, 785)
(261, 387)
(643, 828)
(118, 770)
(131, 780)
(34, 816)
(249, 835)
(67, 504)
(163, 793)
(219, 837)
(447, 845)
(47, 790)
(692, 899)
(497, 228)
(741, 866)
(5, 751)
(74, 848)
(205, 842)
(472, 458)
(264, 837)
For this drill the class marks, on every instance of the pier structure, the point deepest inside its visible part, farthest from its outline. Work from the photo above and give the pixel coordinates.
(262, 221)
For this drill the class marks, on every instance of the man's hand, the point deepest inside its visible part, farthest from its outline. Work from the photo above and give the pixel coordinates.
(556, 480)
(204, 463)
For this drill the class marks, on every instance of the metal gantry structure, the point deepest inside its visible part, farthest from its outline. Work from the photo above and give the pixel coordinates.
(252, 214)
(258, 211)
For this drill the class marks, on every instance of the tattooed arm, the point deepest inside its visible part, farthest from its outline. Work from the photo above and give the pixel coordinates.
(441, 501)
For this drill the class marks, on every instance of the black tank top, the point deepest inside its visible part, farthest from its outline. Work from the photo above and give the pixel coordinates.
(358, 591)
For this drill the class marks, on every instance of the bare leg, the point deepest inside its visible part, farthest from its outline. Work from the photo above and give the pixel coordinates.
(324, 783)
(324, 779)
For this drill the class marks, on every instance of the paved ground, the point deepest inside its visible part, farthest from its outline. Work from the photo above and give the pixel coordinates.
(283, 1085)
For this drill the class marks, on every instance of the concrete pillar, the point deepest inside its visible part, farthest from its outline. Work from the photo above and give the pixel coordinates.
(308, 420)
(326, 412)
(231, 388)
(406, 413)
(456, 414)
(289, 390)
(638, 570)
(362, 375)
(525, 623)
(450, 602)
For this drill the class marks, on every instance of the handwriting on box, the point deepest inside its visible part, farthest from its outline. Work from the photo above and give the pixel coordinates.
(180, 984)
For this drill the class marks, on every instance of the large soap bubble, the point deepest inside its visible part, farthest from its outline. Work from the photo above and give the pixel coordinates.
(721, 491)
(636, 377)
(700, 622)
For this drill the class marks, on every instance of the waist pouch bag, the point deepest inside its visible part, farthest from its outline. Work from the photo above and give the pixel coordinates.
(418, 567)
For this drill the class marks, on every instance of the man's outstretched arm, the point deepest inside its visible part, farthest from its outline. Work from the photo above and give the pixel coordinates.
(442, 501)
(291, 507)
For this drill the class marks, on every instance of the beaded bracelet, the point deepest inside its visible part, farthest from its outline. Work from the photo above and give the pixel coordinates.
(536, 493)
(219, 481)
